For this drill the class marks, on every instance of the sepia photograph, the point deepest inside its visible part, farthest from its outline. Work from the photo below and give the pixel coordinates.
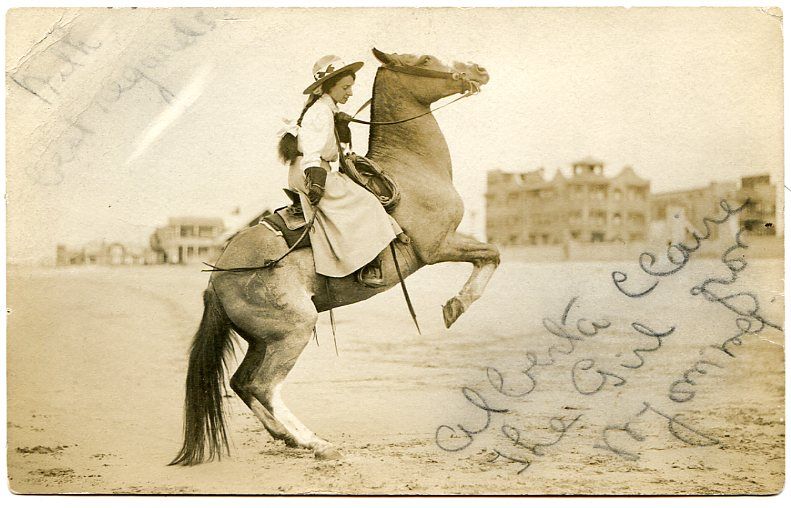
(395, 251)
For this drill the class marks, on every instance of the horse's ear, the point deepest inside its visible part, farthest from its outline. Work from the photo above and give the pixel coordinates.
(382, 57)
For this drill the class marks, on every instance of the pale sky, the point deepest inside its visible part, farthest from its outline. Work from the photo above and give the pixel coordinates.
(685, 96)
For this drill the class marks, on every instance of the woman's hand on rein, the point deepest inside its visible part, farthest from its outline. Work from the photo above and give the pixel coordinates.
(342, 117)
(315, 179)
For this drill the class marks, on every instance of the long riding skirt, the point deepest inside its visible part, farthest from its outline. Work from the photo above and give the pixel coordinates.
(351, 226)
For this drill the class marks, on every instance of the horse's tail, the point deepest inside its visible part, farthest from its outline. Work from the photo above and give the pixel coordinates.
(204, 424)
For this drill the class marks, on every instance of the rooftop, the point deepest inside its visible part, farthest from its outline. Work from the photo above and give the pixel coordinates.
(588, 161)
(196, 221)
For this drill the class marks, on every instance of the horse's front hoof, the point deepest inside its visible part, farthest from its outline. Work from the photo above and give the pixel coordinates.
(451, 311)
(327, 453)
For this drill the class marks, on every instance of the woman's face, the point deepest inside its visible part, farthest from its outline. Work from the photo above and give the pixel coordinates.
(342, 90)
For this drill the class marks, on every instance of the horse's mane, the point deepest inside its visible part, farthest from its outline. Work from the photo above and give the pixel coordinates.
(373, 103)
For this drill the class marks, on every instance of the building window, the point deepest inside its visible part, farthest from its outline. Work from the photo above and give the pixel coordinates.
(185, 231)
(190, 251)
(599, 192)
(758, 227)
(634, 193)
(206, 231)
(616, 219)
(617, 194)
(202, 251)
(597, 236)
(575, 235)
(598, 217)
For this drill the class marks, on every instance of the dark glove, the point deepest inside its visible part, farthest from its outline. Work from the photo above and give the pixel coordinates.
(342, 127)
(315, 178)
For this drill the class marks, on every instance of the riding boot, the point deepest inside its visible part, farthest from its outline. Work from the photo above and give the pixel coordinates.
(371, 274)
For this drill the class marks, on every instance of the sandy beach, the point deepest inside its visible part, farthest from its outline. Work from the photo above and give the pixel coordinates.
(97, 362)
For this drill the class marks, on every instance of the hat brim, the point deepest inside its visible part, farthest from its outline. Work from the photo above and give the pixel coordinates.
(354, 67)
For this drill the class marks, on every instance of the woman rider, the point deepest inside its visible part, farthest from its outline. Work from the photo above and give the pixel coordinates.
(351, 226)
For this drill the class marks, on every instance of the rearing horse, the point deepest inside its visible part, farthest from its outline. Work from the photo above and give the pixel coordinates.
(275, 309)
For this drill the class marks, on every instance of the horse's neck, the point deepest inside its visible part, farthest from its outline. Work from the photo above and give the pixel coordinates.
(416, 145)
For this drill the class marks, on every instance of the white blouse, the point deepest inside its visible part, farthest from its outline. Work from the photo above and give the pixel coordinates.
(316, 138)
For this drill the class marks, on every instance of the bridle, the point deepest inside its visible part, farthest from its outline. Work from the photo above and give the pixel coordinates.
(470, 86)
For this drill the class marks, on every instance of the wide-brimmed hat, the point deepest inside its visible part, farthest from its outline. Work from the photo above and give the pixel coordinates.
(327, 67)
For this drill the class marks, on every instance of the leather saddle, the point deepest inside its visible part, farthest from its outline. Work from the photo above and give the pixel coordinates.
(288, 222)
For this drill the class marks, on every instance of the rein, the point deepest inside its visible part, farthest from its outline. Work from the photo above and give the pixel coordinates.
(472, 88)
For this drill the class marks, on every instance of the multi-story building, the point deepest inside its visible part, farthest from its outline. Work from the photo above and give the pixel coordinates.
(188, 240)
(758, 217)
(526, 209)
(676, 214)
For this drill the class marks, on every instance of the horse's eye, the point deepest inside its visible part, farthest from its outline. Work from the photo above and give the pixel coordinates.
(424, 60)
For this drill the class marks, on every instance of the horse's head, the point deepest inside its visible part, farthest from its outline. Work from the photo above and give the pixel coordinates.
(430, 79)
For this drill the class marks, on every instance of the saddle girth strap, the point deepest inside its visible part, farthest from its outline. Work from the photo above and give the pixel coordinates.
(403, 287)
(332, 315)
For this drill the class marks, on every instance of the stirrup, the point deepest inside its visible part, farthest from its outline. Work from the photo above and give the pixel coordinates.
(371, 276)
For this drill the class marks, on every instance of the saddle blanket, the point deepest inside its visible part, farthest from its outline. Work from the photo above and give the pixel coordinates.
(289, 224)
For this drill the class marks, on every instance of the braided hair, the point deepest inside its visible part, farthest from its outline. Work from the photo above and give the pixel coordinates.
(287, 148)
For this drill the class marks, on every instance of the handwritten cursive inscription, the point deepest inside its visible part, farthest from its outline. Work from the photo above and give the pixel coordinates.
(586, 378)
(477, 400)
(66, 134)
(677, 254)
(573, 350)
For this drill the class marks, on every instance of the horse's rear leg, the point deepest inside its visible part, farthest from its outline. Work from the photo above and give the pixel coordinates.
(484, 257)
(242, 382)
(259, 381)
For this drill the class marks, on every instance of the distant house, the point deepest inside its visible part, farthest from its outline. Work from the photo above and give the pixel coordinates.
(102, 253)
(188, 240)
